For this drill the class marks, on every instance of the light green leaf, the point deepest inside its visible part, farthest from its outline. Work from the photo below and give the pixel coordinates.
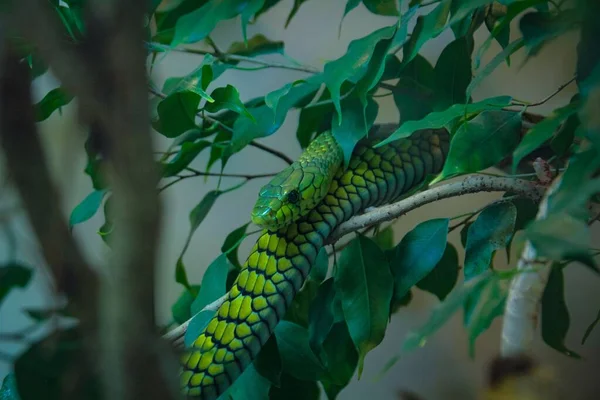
(542, 131)
(382, 7)
(440, 119)
(356, 123)
(213, 283)
(186, 154)
(555, 314)
(444, 275)
(52, 101)
(385, 238)
(196, 326)
(257, 45)
(227, 98)
(196, 81)
(297, 358)
(353, 65)
(321, 317)
(181, 309)
(452, 74)
(13, 276)
(365, 286)
(87, 208)
(482, 142)
(350, 5)
(342, 360)
(417, 254)
(9, 391)
(491, 231)
(268, 362)
(232, 243)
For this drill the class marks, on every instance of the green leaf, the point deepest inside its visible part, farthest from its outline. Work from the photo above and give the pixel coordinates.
(314, 120)
(249, 386)
(555, 315)
(588, 54)
(382, 7)
(414, 101)
(490, 67)
(353, 65)
(181, 309)
(9, 391)
(13, 276)
(197, 325)
(491, 231)
(427, 27)
(53, 100)
(417, 254)
(87, 208)
(177, 114)
(539, 28)
(295, 8)
(107, 227)
(41, 315)
(297, 358)
(350, 5)
(321, 316)
(590, 328)
(227, 98)
(420, 71)
(196, 81)
(490, 302)
(542, 131)
(255, 46)
(356, 122)
(526, 212)
(232, 243)
(184, 157)
(482, 142)
(342, 360)
(198, 24)
(318, 272)
(55, 362)
(439, 119)
(365, 287)
(298, 311)
(385, 238)
(452, 74)
(213, 283)
(294, 389)
(443, 277)
(562, 140)
(268, 362)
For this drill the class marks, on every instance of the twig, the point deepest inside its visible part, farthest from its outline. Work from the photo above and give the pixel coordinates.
(196, 173)
(274, 152)
(550, 96)
(525, 293)
(471, 184)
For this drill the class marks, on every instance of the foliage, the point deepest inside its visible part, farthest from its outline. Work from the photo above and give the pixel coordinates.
(341, 315)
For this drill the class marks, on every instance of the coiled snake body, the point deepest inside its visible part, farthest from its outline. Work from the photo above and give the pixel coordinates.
(299, 208)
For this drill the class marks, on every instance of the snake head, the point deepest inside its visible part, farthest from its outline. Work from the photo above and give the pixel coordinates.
(291, 194)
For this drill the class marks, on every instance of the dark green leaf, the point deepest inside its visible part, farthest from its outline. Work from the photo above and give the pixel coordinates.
(314, 120)
(413, 100)
(199, 23)
(350, 5)
(294, 389)
(87, 208)
(41, 315)
(53, 364)
(181, 309)
(107, 227)
(13, 276)
(482, 142)
(452, 74)
(542, 131)
(9, 391)
(197, 325)
(186, 154)
(356, 122)
(297, 358)
(321, 316)
(227, 98)
(440, 119)
(555, 315)
(298, 311)
(419, 70)
(256, 45)
(94, 162)
(417, 254)
(427, 27)
(232, 243)
(590, 328)
(353, 65)
(53, 100)
(464, 233)
(365, 287)
(342, 360)
(443, 277)
(539, 28)
(491, 231)
(526, 212)
(382, 7)
(177, 114)
(213, 283)
(319, 270)
(295, 8)
(268, 362)
(588, 51)
(562, 140)
(249, 386)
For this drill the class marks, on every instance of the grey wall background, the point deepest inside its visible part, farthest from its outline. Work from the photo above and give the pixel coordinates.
(441, 369)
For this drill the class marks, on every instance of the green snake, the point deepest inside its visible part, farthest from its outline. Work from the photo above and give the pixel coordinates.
(298, 209)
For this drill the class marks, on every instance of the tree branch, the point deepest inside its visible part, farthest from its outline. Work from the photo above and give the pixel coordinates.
(471, 184)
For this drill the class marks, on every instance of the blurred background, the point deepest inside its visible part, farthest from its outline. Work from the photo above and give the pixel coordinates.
(442, 369)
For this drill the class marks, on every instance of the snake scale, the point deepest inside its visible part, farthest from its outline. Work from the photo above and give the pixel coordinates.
(298, 209)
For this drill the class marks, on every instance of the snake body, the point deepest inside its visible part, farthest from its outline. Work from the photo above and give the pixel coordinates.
(299, 208)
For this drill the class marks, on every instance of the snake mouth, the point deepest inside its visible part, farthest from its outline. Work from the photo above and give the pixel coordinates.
(265, 217)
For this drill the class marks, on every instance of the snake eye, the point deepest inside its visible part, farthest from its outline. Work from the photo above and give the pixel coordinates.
(293, 196)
